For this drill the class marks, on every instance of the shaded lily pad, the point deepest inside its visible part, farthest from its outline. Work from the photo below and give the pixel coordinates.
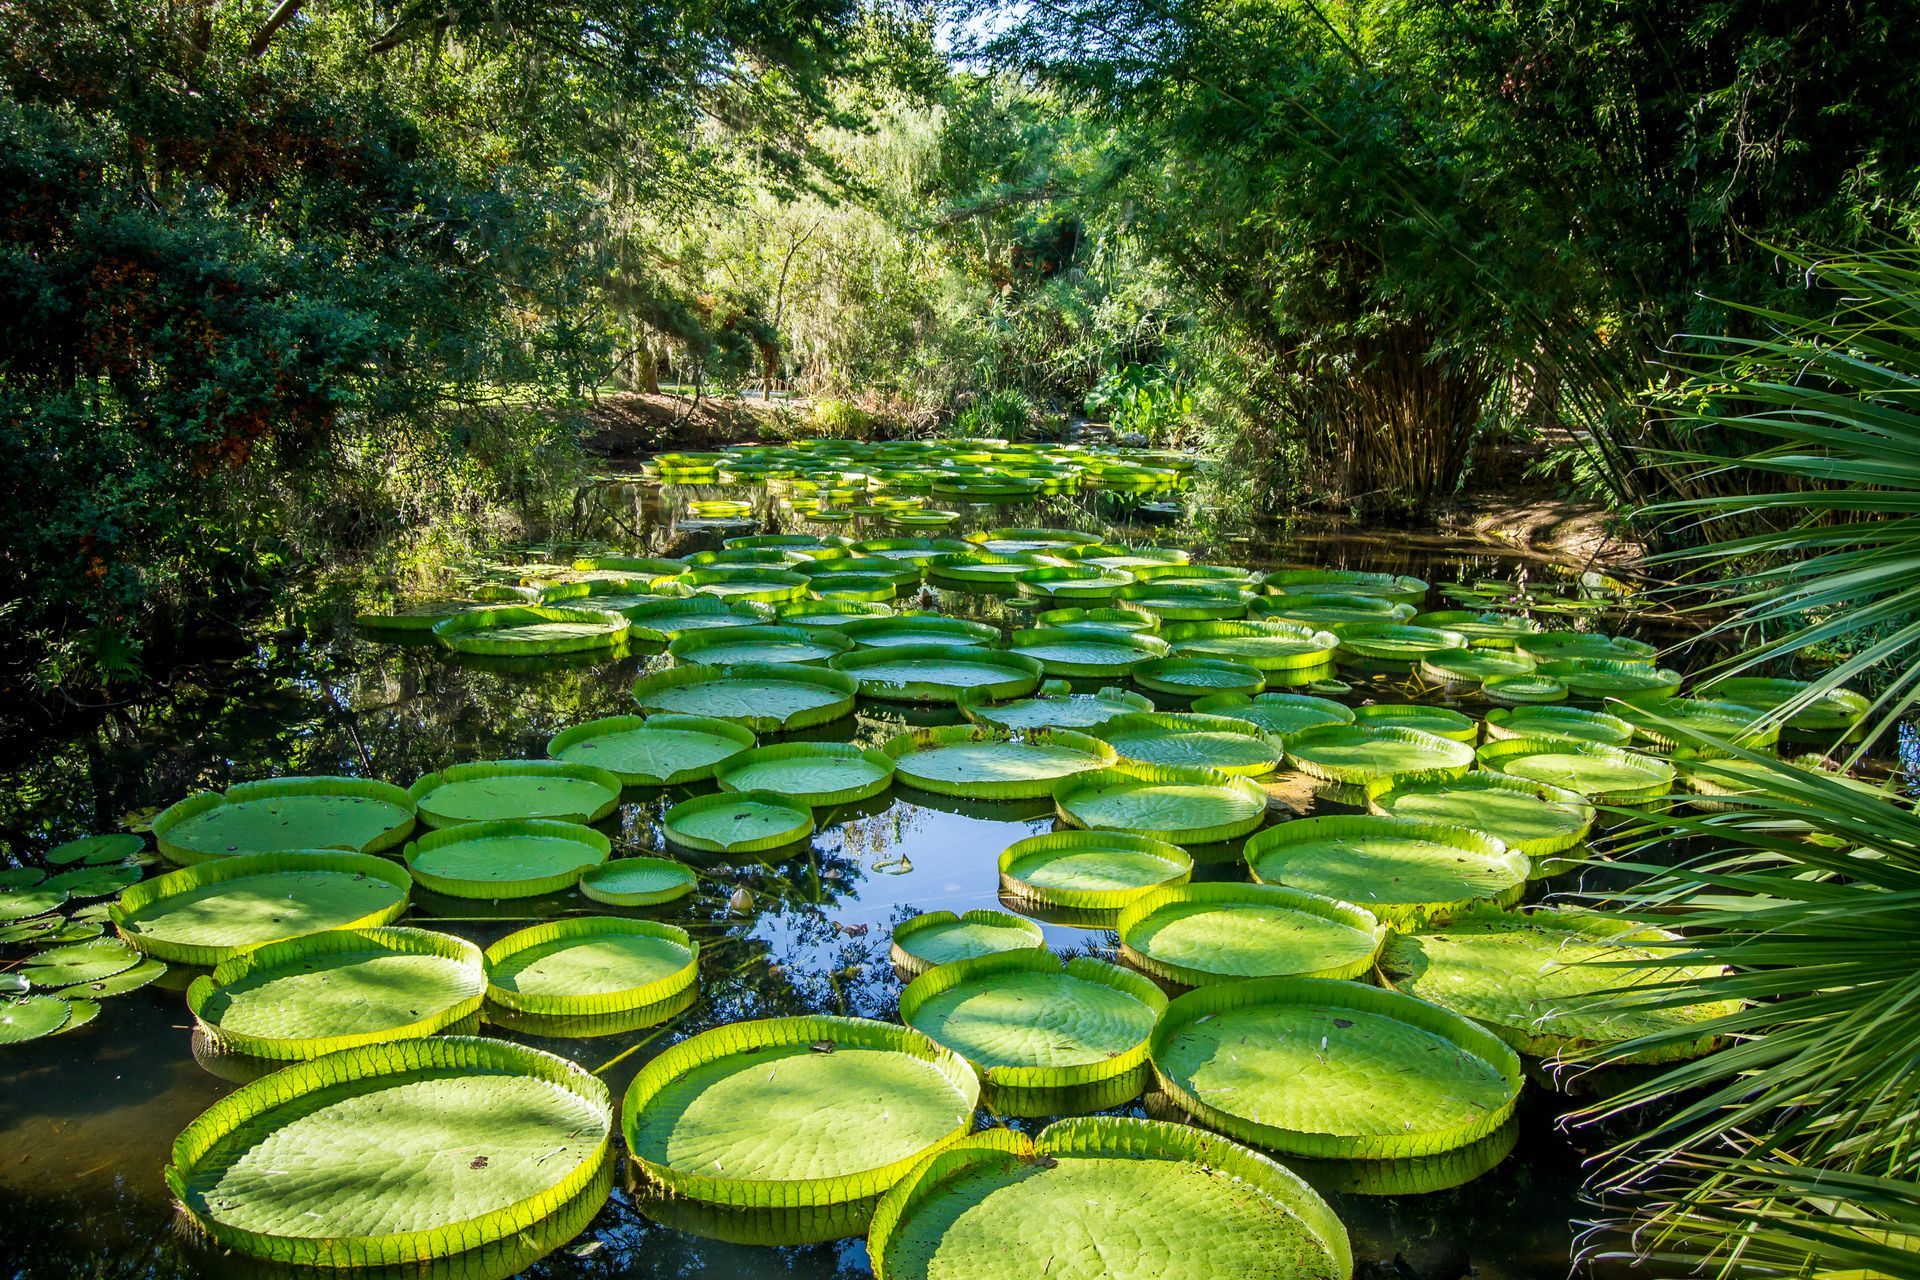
(940, 937)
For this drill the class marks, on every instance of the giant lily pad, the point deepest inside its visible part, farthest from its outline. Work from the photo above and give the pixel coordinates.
(1352, 582)
(590, 965)
(205, 913)
(497, 790)
(993, 764)
(765, 698)
(670, 619)
(1405, 871)
(1834, 713)
(1266, 646)
(1523, 690)
(1528, 817)
(324, 992)
(1110, 619)
(1358, 756)
(1191, 740)
(31, 1017)
(733, 645)
(1441, 722)
(637, 881)
(1075, 582)
(1199, 934)
(1198, 677)
(817, 774)
(1090, 870)
(1055, 706)
(1601, 774)
(939, 673)
(1393, 646)
(920, 629)
(940, 937)
(652, 751)
(1461, 669)
(79, 962)
(1084, 652)
(982, 571)
(810, 1112)
(524, 630)
(1558, 646)
(1185, 601)
(1041, 1032)
(746, 584)
(1697, 727)
(356, 814)
(1315, 609)
(513, 858)
(1105, 1198)
(1483, 630)
(475, 1140)
(1558, 722)
(738, 822)
(1183, 806)
(1553, 982)
(1279, 714)
(1597, 679)
(1392, 1077)
(95, 851)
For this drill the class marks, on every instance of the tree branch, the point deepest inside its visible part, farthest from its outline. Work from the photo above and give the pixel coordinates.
(280, 17)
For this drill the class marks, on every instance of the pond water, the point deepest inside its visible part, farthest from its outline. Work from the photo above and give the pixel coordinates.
(86, 1119)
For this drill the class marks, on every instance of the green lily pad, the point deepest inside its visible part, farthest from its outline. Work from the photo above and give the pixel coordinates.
(355, 814)
(1519, 691)
(530, 630)
(1555, 982)
(1596, 679)
(1558, 722)
(1199, 934)
(1460, 669)
(1082, 652)
(738, 822)
(96, 851)
(1034, 1025)
(746, 584)
(638, 882)
(1483, 629)
(1360, 756)
(505, 790)
(1055, 707)
(1528, 817)
(336, 990)
(95, 882)
(1183, 806)
(1266, 645)
(795, 1113)
(766, 698)
(36, 900)
(992, 764)
(141, 975)
(1441, 722)
(207, 912)
(1676, 726)
(1396, 645)
(512, 858)
(1105, 1198)
(475, 1140)
(80, 962)
(670, 619)
(940, 937)
(1198, 677)
(1192, 740)
(1108, 619)
(1557, 646)
(1279, 714)
(1185, 601)
(1079, 582)
(1405, 871)
(1393, 1077)
(652, 751)
(734, 645)
(920, 629)
(1090, 870)
(1835, 712)
(1601, 774)
(32, 1017)
(1387, 586)
(590, 965)
(832, 614)
(939, 673)
(817, 774)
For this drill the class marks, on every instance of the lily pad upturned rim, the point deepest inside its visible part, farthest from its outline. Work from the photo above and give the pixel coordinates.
(1530, 690)
(843, 688)
(1162, 676)
(598, 1003)
(1064, 582)
(612, 726)
(1676, 725)
(801, 828)
(1113, 1137)
(1266, 852)
(174, 815)
(377, 940)
(239, 866)
(1400, 587)
(981, 710)
(694, 646)
(1104, 618)
(1057, 842)
(422, 790)
(1157, 724)
(724, 773)
(592, 888)
(736, 1038)
(1190, 601)
(901, 748)
(1187, 1011)
(1018, 675)
(1225, 704)
(1393, 642)
(830, 614)
(1838, 711)
(1069, 790)
(1256, 894)
(762, 585)
(960, 631)
(1141, 646)
(469, 632)
(983, 969)
(914, 965)
(1460, 726)
(1195, 639)
(1597, 679)
(644, 619)
(433, 1054)
(595, 848)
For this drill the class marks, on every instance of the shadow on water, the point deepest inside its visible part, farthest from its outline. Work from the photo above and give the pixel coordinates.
(86, 1120)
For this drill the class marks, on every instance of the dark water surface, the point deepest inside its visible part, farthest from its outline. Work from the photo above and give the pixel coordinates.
(87, 1118)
